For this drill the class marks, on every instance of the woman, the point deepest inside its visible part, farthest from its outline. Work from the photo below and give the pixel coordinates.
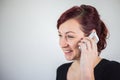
(74, 27)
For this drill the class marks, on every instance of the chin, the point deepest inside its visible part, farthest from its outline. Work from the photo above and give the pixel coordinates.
(69, 58)
(73, 58)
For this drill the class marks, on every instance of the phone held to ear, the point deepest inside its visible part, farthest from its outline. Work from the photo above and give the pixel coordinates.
(94, 35)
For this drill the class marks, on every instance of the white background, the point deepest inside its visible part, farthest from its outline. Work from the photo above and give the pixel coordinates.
(29, 48)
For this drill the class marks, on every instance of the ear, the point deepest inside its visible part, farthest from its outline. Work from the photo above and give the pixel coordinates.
(93, 30)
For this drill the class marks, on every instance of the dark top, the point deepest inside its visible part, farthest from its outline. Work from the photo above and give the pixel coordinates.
(105, 70)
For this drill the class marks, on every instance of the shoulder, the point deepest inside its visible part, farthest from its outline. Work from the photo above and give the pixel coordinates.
(107, 70)
(112, 70)
(64, 66)
(62, 71)
(110, 64)
(107, 64)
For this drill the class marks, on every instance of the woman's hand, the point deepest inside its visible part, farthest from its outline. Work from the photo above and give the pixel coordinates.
(89, 56)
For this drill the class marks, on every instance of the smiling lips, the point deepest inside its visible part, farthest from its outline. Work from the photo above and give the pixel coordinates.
(68, 51)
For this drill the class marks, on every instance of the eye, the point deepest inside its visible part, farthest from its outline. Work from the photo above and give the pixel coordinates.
(70, 36)
(60, 35)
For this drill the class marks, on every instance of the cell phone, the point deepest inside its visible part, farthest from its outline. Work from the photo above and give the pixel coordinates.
(94, 35)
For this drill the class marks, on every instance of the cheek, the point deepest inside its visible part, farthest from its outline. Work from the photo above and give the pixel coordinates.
(73, 44)
(60, 42)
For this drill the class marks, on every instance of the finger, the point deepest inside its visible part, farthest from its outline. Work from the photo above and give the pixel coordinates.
(87, 41)
(93, 44)
(83, 46)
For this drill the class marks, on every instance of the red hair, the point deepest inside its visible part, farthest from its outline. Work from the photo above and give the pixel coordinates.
(88, 17)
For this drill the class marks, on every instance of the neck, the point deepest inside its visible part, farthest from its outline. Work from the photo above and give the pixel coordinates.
(76, 63)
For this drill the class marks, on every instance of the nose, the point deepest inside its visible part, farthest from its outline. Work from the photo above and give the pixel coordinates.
(63, 43)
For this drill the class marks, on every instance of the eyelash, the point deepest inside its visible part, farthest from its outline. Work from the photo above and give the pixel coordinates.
(68, 36)
(60, 35)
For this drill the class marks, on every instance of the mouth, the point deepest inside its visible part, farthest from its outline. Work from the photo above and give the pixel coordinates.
(68, 52)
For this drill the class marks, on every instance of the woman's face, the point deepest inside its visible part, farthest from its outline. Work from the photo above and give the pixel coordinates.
(70, 34)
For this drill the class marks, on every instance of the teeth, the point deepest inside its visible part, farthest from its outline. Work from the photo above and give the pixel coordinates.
(67, 51)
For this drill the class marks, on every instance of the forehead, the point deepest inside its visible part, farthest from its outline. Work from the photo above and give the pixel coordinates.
(70, 25)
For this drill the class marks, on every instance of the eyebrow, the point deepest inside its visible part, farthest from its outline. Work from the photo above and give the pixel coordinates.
(67, 32)
(70, 32)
